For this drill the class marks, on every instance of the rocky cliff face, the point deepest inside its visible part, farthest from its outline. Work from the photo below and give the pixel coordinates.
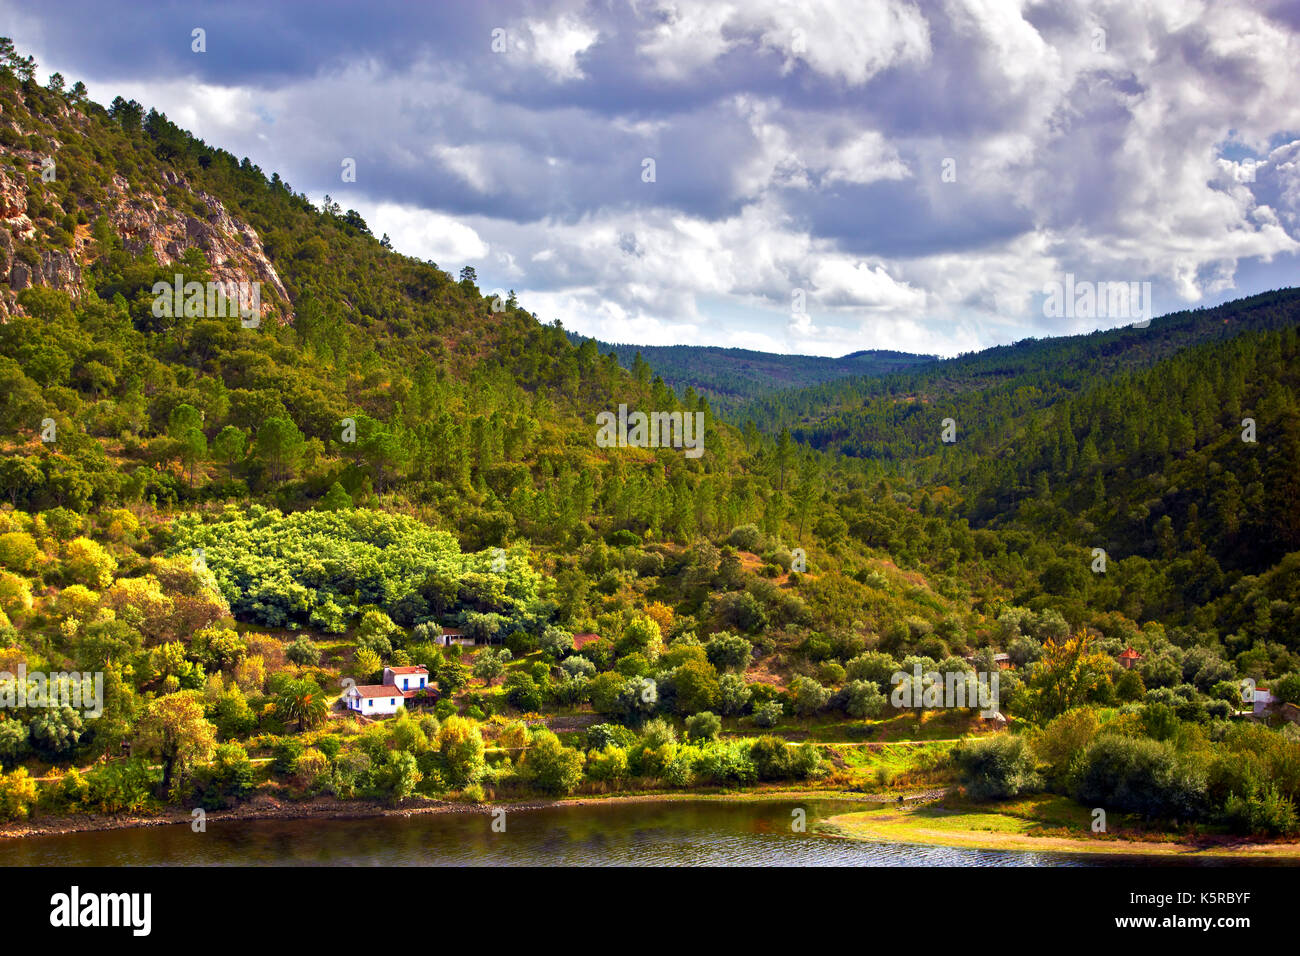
(143, 220)
(233, 248)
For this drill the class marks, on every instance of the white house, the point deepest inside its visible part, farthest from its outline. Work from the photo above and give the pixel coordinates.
(1263, 700)
(451, 636)
(389, 697)
(374, 699)
(407, 678)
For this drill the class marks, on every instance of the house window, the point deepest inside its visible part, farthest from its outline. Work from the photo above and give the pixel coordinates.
(392, 701)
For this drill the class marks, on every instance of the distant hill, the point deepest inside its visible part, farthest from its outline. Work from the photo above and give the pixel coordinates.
(731, 377)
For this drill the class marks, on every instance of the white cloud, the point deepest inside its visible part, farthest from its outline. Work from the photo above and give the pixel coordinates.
(423, 234)
(556, 45)
(821, 125)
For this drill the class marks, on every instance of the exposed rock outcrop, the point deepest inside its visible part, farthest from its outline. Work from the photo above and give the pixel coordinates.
(143, 220)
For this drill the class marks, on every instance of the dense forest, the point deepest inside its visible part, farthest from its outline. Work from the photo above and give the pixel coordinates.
(731, 378)
(225, 519)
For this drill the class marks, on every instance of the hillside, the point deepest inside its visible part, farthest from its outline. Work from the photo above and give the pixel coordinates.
(225, 515)
(729, 378)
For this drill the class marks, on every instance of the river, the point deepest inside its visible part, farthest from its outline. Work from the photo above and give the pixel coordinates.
(676, 833)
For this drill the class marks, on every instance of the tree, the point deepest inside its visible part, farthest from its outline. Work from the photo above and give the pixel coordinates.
(460, 744)
(875, 666)
(697, 687)
(174, 729)
(490, 663)
(367, 663)
(185, 427)
(733, 694)
(18, 552)
(399, 776)
(303, 702)
(280, 445)
(729, 652)
(13, 742)
(556, 643)
(56, 731)
(230, 445)
(1287, 688)
(550, 766)
(89, 564)
(769, 713)
(1070, 674)
(336, 499)
(303, 651)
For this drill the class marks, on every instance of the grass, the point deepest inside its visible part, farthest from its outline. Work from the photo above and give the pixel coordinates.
(1044, 823)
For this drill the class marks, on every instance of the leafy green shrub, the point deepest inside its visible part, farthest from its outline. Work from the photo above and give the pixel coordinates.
(997, 767)
(768, 714)
(703, 726)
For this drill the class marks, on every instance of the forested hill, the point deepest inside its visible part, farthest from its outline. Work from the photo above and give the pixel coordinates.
(824, 414)
(471, 417)
(728, 378)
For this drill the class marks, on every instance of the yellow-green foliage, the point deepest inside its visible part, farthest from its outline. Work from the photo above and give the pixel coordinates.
(18, 792)
(15, 594)
(90, 564)
(19, 552)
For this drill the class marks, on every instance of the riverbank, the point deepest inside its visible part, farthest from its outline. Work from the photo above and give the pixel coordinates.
(328, 808)
(1035, 825)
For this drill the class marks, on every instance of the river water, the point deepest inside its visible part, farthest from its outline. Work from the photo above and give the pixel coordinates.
(678, 833)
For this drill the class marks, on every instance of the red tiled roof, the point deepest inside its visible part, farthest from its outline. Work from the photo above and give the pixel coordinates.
(1130, 653)
(379, 690)
(582, 640)
(411, 669)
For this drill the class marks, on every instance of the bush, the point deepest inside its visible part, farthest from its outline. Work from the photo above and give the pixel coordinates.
(995, 768)
(863, 699)
(697, 687)
(18, 793)
(746, 537)
(772, 758)
(556, 643)
(703, 726)
(608, 765)
(550, 766)
(875, 666)
(15, 595)
(729, 652)
(768, 714)
(733, 694)
(303, 651)
(601, 736)
(1265, 811)
(523, 692)
(1142, 776)
(809, 696)
(18, 551)
(89, 564)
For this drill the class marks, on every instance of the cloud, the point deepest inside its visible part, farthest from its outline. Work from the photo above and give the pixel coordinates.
(796, 146)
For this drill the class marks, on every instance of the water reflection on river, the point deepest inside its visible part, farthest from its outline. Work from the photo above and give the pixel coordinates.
(679, 833)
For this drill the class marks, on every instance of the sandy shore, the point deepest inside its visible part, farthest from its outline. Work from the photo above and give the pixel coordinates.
(887, 826)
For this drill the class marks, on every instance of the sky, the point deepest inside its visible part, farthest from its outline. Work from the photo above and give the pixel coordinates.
(815, 177)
